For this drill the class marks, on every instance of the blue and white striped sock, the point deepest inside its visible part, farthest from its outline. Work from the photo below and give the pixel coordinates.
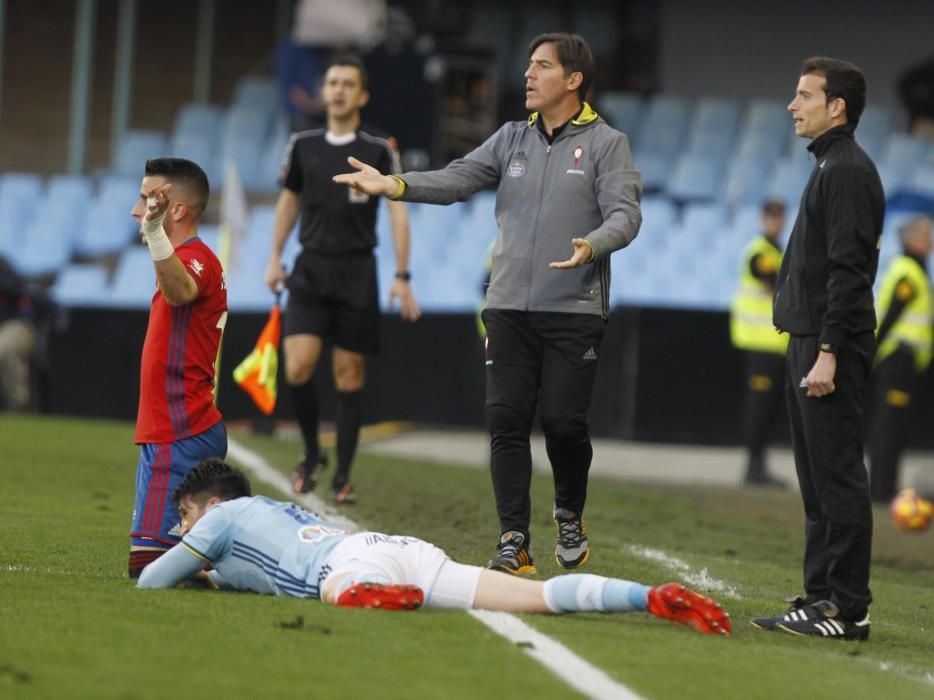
(589, 593)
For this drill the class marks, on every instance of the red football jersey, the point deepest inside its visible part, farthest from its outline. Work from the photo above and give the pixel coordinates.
(176, 386)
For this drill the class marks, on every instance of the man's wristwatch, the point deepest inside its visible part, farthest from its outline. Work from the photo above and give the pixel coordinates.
(828, 347)
(405, 275)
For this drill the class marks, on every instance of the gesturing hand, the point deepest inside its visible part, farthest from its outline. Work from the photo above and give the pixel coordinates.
(367, 179)
(157, 202)
(583, 253)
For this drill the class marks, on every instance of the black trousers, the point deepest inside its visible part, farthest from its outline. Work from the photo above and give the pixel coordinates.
(765, 375)
(827, 438)
(550, 360)
(894, 380)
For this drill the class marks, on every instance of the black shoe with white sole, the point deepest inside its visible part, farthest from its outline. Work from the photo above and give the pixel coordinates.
(797, 611)
(825, 621)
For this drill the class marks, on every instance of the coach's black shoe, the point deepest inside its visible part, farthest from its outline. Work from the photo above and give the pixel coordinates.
(513, 555)
(799, 610)
(826, 622)
(572, 548)
(306, 476)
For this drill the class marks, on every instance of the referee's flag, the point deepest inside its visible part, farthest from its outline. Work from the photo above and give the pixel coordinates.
(257, 373)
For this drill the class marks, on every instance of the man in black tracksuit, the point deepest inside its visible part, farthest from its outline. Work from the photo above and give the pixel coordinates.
(823, 299)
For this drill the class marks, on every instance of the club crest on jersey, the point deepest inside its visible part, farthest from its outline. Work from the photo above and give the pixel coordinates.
(516, 169)
(316, 533)
(578, 154)
(196, 267)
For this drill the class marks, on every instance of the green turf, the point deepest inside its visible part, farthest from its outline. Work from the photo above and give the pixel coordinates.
(72, 625)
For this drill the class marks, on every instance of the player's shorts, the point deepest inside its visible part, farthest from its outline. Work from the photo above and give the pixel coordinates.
(398, 559)
(162, 466)
(335, 297)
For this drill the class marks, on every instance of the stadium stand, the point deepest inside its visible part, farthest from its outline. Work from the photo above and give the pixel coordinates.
(706, 164)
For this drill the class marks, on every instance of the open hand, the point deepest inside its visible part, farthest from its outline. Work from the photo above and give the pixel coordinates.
(367, 179)
(583, 253)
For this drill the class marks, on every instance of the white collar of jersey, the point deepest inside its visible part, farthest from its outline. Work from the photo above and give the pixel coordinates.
(341, 140)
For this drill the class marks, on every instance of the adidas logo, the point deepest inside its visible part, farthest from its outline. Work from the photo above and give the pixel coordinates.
(590, 354)
(176, 531)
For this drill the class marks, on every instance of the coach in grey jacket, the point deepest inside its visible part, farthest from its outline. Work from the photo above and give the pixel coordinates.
(564, 177)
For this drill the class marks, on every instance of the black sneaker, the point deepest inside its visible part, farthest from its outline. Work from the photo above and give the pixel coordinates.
(513, 555)
(572, 548)
(799, 607)
(826, 622)
(305, 477)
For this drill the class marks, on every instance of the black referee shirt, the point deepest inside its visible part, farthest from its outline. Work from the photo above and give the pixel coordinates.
(336, 219)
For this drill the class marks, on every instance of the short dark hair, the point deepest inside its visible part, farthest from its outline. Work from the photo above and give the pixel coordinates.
(353, 62)
(844, 80)
(773, 207)
(187, 174)
(213, 477)
(573, 53)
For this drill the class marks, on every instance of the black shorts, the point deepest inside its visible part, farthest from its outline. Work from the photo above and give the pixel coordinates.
(335, 297)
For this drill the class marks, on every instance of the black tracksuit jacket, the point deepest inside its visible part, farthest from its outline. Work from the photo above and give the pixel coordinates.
(825, 282)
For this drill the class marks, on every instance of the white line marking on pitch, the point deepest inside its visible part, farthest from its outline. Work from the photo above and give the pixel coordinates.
(557, 658)
(699, 579)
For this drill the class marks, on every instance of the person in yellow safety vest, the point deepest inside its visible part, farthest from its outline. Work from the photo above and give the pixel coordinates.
(763, 347)
(904, 337)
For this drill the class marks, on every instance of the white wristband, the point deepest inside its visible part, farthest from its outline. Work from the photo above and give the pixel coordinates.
(159, 246)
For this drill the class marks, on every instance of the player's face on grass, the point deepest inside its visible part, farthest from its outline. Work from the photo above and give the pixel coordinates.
(810, 110)
(192, 510)
(546, 83)
(343, 92)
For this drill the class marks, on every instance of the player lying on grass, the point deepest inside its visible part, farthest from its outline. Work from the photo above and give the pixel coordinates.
(257, 544)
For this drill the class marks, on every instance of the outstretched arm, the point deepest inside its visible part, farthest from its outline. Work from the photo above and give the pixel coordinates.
(369, 180)
(172, 568)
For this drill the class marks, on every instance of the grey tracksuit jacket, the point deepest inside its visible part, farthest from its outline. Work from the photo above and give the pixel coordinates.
(581, 186)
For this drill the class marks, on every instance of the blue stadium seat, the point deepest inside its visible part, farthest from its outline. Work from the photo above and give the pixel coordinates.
(893, 178)
(135, 147)
(655, 168)
(245, 132)
(695, 177)
(704, 222)
(764, 130)
(134, 281)
(622, 111)
(712, 130)
(82, 285)
(70, 195)
(745, 180)
(109, 226)
(922, 181)
(19, 196)
(787, 181)
(875, 124)
(664, 123)
(271, 157)
(46, 245)
(257, 92)
(904, 151)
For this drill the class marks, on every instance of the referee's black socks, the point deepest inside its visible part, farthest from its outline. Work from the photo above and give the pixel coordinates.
(349, 420)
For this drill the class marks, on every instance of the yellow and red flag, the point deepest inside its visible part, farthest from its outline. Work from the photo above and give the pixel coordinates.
(257, 373)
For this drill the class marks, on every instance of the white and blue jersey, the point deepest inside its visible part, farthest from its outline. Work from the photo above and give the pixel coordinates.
(253, 544)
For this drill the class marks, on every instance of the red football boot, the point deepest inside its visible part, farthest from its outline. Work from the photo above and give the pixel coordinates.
(673, 601)
(381, 595)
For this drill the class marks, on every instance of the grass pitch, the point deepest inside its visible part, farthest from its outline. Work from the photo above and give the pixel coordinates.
(73, 626)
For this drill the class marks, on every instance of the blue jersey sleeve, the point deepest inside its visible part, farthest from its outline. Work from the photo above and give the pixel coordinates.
(169, 570)
(210, 537)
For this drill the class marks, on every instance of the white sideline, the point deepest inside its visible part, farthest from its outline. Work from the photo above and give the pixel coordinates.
(584, 677)
(698, 579)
